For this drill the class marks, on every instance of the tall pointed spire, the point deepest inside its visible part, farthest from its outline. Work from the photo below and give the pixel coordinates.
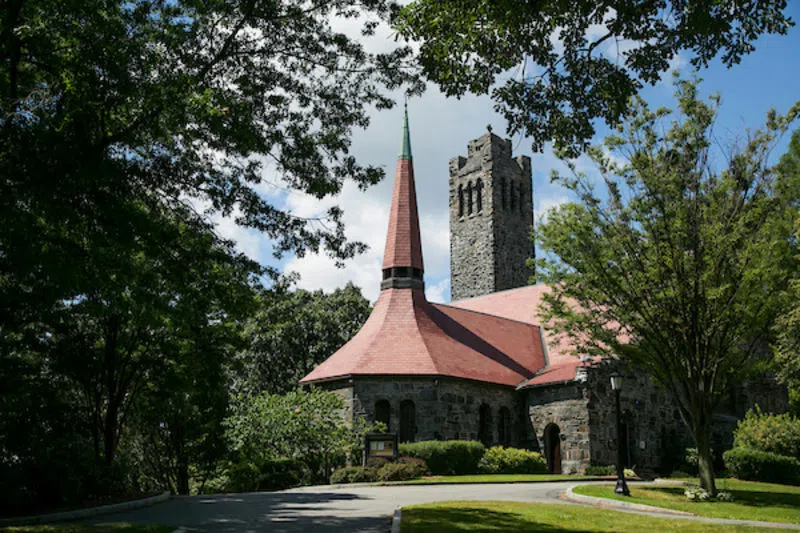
(402, 258)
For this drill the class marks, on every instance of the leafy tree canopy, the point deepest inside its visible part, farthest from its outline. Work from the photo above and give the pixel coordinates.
(308, 425)
(293, 331)
(787, 327)
(680, 265)
(579, 60)
(175, 102)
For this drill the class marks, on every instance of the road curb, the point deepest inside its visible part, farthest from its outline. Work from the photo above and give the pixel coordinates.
(428, 483)
(84, 513)
(396, 520)
(606, 502)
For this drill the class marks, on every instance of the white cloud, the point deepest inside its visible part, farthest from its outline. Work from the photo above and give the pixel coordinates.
(438, 292)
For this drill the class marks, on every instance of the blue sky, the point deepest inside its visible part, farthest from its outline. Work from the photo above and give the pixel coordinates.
(441, 128)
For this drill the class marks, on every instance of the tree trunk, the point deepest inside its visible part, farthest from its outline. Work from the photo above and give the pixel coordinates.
(705, 463)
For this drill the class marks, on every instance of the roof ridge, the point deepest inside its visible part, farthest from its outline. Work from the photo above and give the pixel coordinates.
(489, 295)
(533, 324)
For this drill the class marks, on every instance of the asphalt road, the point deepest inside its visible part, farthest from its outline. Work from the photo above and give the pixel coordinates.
(320, 509)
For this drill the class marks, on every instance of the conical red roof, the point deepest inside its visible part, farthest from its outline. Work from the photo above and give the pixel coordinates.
(403, 243)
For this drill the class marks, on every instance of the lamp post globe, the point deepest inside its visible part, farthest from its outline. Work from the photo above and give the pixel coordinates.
(616, 386)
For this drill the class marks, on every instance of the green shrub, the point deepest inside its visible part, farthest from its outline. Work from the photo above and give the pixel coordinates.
(419, 464)
(755, 465)
(273, 474)
(601, 470)
(354, 474)
(499, 460)
(399, 472)
(452, 457)
(769, 433)
(377, 462)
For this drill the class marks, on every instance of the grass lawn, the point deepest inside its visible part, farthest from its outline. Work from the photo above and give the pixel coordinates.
(754, 501)
(497, 478)
(68, 527)
(515, 517)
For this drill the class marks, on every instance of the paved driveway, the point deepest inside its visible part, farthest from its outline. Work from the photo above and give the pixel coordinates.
(320, 509)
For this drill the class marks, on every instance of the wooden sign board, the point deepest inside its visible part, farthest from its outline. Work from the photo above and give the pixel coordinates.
(382, 445)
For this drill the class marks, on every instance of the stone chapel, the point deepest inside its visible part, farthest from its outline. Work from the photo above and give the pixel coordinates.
(483, 367)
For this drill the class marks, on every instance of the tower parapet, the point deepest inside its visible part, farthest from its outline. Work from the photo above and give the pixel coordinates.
(491, 214)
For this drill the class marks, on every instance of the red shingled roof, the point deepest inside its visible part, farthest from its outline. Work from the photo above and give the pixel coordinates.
(406, 335)
(523, 304)
(403, 243)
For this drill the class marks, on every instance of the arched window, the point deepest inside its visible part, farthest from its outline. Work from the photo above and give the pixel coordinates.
(383, 413)
(408, 421)
(469, 198)
(485, 425)
(552, 448)
(461, 200)
(504, 426)
(521, 199)
(503, 192)
(479, 195)
(511, 193)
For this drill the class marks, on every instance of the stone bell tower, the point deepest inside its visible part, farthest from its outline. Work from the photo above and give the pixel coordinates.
(491, 215)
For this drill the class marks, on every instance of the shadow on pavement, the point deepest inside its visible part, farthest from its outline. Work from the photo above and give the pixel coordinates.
(273, 512)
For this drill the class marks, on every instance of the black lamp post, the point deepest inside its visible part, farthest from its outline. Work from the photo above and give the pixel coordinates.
(622, 487)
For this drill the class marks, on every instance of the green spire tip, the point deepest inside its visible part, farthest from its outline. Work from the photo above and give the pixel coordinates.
(405, 152)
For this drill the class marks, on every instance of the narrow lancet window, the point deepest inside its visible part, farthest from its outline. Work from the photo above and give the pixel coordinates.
(461, 200)
(469, 198)
(479, 195)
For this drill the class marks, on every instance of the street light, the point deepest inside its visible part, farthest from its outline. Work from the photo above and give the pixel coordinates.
(622, 487)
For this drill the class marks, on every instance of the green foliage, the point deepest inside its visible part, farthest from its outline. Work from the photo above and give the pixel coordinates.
(452, 457)
(125, 129)
(293, 331)
(787, 327)
(419, 465)
(570, 73)
(307, 426)
(400, 471)
(269, 474)
(601, 470)
(500, 460)
(355, 474)
(674, 244)
(778, 434)
(756, 465)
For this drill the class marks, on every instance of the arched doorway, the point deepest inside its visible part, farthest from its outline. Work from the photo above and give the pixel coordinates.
(408, 421)
(504, 427)
(485, 425)
(552, 448)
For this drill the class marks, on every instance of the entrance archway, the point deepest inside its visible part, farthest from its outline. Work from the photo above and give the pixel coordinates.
(552, 448)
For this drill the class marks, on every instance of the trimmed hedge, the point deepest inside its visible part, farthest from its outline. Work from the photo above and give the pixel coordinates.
(499, 460)
(755, 465)
(451, 457)
(601, 470)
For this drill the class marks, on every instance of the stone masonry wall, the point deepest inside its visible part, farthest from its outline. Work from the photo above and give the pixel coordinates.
(565, 406)
(446, 408)
(652, 425)
(490, 246)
